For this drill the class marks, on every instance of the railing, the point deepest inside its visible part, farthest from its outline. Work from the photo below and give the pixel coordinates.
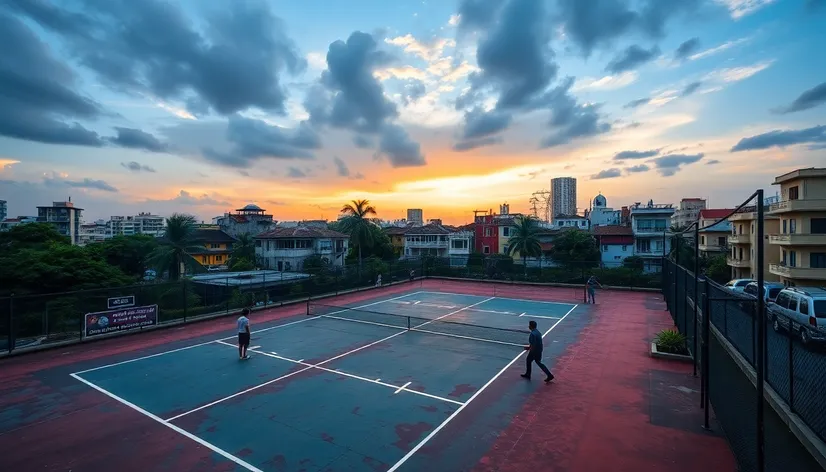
(738, 262)
(798, 239)
(810, 204)
(739, 239)
(784, 270)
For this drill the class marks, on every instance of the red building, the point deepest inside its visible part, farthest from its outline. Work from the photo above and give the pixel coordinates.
(486, 234)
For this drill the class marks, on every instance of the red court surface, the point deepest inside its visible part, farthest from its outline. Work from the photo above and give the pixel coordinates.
(612, 407)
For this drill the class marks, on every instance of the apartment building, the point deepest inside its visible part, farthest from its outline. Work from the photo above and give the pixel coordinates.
(3, 210)
(801, 241)
(286, 248)
(742, 242)
(64, 216)
(713, 233)
(571, 221)
(650, 224)
(415, 216)
(688, 212)
(563, 196)
(142, 223)
(251, 219)
(92, 232)
(615, 243)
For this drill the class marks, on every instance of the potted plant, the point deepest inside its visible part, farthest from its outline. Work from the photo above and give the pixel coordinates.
(670, 344)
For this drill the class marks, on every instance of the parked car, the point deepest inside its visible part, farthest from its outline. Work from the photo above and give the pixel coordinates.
(800, 311)
(770, 290)
(738, 285)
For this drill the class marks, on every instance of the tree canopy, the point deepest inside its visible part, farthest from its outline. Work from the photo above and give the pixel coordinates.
(574, 247)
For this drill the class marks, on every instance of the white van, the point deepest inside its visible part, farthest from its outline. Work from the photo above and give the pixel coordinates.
(800, 311)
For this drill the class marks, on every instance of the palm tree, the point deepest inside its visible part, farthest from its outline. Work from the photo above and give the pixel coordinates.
(524, 239)
(176, 246)
(243, 248)
(356, 224)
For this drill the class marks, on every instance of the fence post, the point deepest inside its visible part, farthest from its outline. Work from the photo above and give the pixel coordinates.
(791, 365)
(706, 338)
(11, 323)
(696, 286)
(761, 332)
(676, 276)
(185, 299)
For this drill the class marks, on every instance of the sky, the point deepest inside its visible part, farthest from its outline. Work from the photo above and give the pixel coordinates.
(450, 106)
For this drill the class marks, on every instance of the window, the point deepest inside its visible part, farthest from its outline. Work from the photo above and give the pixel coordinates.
(488, 232)
(741, 254)
(783, 257)
(203, 259)
(506, 231)
(794, 193)
(804, 306)
(819, 308)
(219, 258)
(792, 258)
(604, 248)
(817, 260)
(325, 245)
(750, 289)
(721, 241)
(752, 228)
(783, 300)
(773, 293)
(214, 246)
(792, 226)
(702, 239)
(739, 229)
(257, 243)
(818, 226)
(485, 249)
(505, 249)
(459, 244)
(624, 248)
(784, 226)
(792, 303)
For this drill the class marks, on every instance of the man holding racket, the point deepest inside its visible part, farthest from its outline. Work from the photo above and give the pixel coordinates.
(534, 349)
(243, 324)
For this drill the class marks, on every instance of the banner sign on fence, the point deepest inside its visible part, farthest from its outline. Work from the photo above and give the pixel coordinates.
(120, 302)
(120, 320)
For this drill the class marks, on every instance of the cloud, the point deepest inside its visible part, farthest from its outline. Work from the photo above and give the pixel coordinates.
(137, 139)
(740, 8)
(478, 14)
(186, 198)
(362, 142)
(37, 99)
(596, 23)
(637, 169)
(426, 51)
(56, 179)
(467, 145)
(622, 155)
(609, 82)
(811, 98)
(782, 139)
(341, 167)
(137, 167)
(254, 140)
(607, 174)
(479, 123)
(631, 58)
(296, 173)
(712, 162)
(151, 48)
(690, 89)
(569, 119)
(413, 91)
(672, 163)
(399, 149)
(718, 49)
(637, 103)
(686, 49)
(736, 74)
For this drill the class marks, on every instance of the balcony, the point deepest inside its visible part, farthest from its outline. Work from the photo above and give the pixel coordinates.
(713, 248)
(732, 262)
(789, 206)
(651, 231)
(739, 239)
(427, 244)
(648, 252)
(798, 239)
(797, 272)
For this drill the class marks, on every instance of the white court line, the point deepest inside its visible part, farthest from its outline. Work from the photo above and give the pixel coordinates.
(320, 363)
(233, 337)
(402, 388)
(253, 347)
(523, 313)
(191, 436)
(459, 410)
(540, 316)
(506, 298)
(352, 376)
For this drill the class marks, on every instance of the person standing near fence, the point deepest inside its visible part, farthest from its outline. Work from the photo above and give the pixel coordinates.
(592, 285)
(534, 349)
(243, 324)
(378, 281)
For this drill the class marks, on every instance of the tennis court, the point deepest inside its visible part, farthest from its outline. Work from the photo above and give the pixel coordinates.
(342, 388)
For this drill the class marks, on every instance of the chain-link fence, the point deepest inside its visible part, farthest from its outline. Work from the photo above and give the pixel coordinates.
(796, 372)
(33, 320)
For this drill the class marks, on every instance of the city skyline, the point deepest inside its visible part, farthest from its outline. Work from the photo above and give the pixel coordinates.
(449, 107)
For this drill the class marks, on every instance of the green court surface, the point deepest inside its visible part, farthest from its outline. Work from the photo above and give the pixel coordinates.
(341, 389)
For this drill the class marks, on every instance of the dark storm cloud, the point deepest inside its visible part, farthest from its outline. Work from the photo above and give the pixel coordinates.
(631, 58)
(341, 167)
(362, 142)
(782, 138)
(136, 139)
(478, 13)
(150, 47)
(686, 49)
(187, 198)
(400, 150)
(414, 89)
(137, 167)
(672, 163)
(87, 183)
(636, 154)
(254, 140)
(467, 145)
(712, 162)
(37, 100)
(480, 123)
(690, 89)
(569, 119)
(607, 174)
(296, 173)
(594, 23)
(637, 169)
(637, 103)
(811, 98)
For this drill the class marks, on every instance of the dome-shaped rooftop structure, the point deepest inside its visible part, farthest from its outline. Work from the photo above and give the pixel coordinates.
(251, 208)
(600, 201)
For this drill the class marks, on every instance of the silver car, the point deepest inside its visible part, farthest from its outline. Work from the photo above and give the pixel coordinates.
(800, 311)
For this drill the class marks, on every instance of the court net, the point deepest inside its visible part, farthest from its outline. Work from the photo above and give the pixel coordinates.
(434, 325)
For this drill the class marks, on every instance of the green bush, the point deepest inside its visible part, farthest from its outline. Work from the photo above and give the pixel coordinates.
(671, 341)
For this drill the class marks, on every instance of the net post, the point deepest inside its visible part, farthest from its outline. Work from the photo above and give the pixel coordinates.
(408, 323)
(308, 307)
(11, 323)
(696, 274)
(761, 333)
(706, 332)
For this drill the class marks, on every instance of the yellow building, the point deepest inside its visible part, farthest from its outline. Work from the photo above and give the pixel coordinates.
(396, 235)
(742, 242)
(217, 247)
(801, 241)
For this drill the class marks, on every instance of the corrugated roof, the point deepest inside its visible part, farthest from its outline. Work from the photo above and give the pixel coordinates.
(301, 232)
(613, 230)
(212, 236)
(396, 230)
(428, 229)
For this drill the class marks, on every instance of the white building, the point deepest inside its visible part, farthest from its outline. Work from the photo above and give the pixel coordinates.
(652, 239)
(92, 232)
(286, 248)
(64, 216)
(600, 214)
(10, 223)
(142, 223)
(460, 247)
(427, 240)
(688, 212)
(615, 243)
(3, 210)
(563, 196)
(570, 221)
